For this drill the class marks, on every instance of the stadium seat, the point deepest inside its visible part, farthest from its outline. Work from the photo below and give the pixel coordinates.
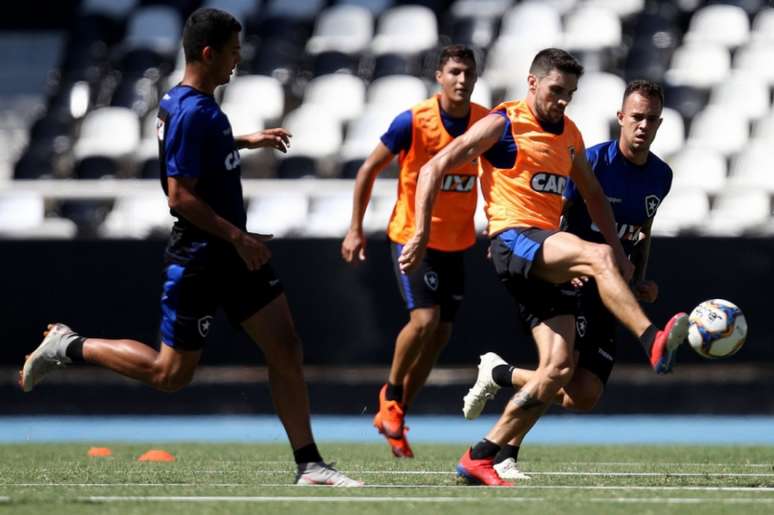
(279, 59)
(110, 131)
(591, 28)
(738, 211)
(260, 95)
(342, 28)
(280, 215)
(508, 63)
(396, 93)
(406, 29)
(482, 93)
(534, 22)
(726, 25)
(475, 32)
(593, 123)
(96, 167)
(752, 168)
(87, 215)
(763, 26)
(683, 210)
(155, 27)
(329, 215)
(716, 128)
(743, 93)
(22, 215)
(646, 61)
(561, 6)
(751, 7)
(388, 64)
(240, 9)
(378, 214)
(622, 8)
(139, 95)
(764, 129)
(671, 134)
(601, 91)
(111, 8)
(137, 217)
(686, 100)
(316, 135)
(754, 60)
(699, 65)
(377, 7)
(363, 133)
(341, 94)
(697, 168)
(483, 9)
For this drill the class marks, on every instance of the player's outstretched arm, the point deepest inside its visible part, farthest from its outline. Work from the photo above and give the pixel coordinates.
(354, 243)
(645, 290)
(277, 138)
(183, 199)
(599, 209)
(477, 140)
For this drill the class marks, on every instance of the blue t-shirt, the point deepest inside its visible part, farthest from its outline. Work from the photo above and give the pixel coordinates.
(398, 135)
(195, 140)
(634, 192)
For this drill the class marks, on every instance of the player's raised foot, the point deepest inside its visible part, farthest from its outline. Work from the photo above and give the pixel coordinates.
(321, 473)
(509, 469)
(484, 389)
(479, 472)
(666, 343)
(389, 421)
(50, 355)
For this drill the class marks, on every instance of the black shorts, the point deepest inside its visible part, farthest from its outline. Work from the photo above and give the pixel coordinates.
(438, 281)
(199, 278)
(513, 253)
(595, 330)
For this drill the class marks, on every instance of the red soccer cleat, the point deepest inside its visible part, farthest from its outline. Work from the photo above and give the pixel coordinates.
(389, 421)
(666, 343)
(479, 472)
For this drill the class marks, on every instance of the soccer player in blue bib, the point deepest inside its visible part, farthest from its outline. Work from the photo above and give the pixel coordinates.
(635, 182)
(211, 261)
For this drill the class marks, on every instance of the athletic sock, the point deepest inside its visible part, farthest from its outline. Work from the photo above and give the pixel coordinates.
(394, 392)
(502, 375)
(74, 350)
(508, 451)
(647, 338)
(484, 449)
(307, 454)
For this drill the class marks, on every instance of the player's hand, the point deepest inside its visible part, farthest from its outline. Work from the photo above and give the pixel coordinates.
(278, 139)
(353, 247)
(412, 254)
(252, 250)
(578, 282)
(646, 291)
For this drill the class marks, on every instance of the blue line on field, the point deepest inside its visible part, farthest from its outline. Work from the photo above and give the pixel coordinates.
(697, 430)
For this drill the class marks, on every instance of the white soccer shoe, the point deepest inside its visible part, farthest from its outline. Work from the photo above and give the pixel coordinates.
(321, 473)
(50, 355)
(508, 469)
(485, 388)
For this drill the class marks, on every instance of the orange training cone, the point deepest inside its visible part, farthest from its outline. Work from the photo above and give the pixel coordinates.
(100, 452)
(156, 455)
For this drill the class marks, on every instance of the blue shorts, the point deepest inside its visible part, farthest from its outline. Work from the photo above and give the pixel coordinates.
(199, 278)
(438, 281)
(513, 253)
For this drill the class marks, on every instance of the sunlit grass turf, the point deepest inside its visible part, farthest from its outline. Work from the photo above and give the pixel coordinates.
(40, 478)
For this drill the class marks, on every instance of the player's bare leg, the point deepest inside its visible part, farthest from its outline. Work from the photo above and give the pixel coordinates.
(581, 394)
(564, 256)
(554, 339)
(417, 375)
(273, 330)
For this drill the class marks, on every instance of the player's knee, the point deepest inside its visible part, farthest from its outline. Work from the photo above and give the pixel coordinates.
(425, 321)
(173, 381)
(601, 258)
(559, 373)
(285, 355)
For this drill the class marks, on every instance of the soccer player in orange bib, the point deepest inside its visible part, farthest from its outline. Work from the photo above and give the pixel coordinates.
(434, 289)
(529, 149)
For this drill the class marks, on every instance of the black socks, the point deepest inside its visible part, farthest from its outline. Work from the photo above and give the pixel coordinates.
(647, 338)
(307, 454)
(502, 375)
(394, 392)
(484, 449)
(508, 451)
(74, 350)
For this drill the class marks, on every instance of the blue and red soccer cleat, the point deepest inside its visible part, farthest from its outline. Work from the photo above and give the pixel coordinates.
(666, 343)
(479, 472)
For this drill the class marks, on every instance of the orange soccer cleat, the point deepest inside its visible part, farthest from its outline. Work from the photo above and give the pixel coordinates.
(666, 343)
(389, 422)
(479, 472)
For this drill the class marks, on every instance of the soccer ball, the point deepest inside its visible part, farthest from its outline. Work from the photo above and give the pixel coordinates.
(717, 328)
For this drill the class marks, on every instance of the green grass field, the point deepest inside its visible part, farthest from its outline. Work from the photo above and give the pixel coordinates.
(62, 479)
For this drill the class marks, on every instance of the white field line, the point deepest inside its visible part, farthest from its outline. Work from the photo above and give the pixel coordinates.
(556, 473)
(521, 486)
(350, 499)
